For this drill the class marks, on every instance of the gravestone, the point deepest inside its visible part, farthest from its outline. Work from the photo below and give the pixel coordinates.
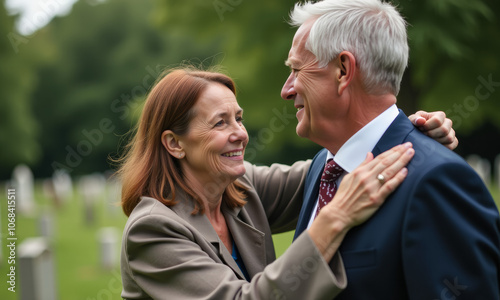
(63, 186)
(23, 182)
(108, 247)
(36, 270)
(481, 166)
(46, 225)
(114, 191)
(91, 189)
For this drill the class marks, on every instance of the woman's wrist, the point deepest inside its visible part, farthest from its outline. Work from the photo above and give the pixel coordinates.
(327, 232)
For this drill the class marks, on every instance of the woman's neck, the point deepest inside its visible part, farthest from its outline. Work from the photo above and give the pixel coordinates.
(210, 193)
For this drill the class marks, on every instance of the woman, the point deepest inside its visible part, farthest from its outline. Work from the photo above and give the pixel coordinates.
(201, 219)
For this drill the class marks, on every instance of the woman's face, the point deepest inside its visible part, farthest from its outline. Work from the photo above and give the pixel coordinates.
(216, 139)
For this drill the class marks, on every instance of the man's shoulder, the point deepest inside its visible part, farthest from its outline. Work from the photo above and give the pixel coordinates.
(430, 153)
(435, 164)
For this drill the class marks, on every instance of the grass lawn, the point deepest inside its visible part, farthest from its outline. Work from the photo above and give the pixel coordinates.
(76, 247)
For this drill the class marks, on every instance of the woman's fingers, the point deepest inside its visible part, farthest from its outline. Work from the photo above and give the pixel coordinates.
(390, 185)
(363, 191)
(389, 162)
(390, 167)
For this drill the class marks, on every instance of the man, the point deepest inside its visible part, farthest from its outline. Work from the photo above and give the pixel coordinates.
(438, 235)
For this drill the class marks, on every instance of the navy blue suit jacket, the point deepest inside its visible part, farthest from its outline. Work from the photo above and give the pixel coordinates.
(436, 237)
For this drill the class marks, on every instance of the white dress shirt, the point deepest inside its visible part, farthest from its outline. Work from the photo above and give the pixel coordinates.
(354, 151)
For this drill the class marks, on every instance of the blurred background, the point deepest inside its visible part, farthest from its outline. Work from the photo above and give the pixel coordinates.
(74, 75)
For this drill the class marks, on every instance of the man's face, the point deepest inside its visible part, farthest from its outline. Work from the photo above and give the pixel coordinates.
(313, 89)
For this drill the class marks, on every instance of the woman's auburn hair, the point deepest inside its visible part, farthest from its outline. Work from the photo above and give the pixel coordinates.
(146, 168)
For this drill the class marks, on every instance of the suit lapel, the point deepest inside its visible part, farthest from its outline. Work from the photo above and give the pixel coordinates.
(248, 239)
(311, 191)
(396, 134)
(201, 223)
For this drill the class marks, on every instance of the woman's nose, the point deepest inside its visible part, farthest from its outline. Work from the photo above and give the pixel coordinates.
(239, 133)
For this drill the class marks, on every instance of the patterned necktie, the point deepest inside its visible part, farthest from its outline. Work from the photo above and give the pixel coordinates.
(328, 183)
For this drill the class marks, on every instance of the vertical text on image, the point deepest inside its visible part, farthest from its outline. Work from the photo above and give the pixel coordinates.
(11, 239)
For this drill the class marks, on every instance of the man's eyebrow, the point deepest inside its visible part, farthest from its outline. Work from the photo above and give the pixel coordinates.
(290, 61)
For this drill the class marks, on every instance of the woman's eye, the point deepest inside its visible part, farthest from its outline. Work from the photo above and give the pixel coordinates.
(239, 119)
(220, 123)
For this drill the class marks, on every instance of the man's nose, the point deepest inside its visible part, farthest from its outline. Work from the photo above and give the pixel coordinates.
(288, 90)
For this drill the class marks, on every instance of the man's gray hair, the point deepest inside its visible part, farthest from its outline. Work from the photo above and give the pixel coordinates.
(373, 31)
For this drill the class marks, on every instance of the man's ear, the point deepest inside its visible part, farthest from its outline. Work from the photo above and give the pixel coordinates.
(346, 64)
(171, 143)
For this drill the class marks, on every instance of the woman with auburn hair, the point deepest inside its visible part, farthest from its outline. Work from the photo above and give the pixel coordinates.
(201, 218)
(148, 171)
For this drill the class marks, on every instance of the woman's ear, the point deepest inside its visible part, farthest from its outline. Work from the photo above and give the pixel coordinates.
(171, 143)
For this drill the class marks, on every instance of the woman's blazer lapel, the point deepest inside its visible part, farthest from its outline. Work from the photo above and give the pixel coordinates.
(201, 223)
(249, 240)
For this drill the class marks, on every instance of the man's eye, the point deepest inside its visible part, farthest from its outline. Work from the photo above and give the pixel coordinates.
(239, 119)
(220, 123)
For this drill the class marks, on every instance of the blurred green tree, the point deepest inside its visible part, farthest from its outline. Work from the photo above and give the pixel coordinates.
(72, 90)
(97, 65)
(18, 129)
(454, 46)
(253, 42)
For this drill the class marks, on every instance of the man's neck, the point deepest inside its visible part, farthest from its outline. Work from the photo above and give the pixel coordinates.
(361, 112)
(353, 151)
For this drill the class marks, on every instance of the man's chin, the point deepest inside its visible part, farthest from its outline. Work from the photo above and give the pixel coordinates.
(301, 132)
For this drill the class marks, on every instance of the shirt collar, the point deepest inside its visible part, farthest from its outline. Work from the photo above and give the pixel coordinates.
(354, 151)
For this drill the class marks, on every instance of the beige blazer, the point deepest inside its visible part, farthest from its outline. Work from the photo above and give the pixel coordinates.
(167, 253)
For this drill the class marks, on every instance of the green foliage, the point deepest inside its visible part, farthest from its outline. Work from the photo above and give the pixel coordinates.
(452, 45)
(72, 90)
(93, 71)
(18, 129)
(253, 40)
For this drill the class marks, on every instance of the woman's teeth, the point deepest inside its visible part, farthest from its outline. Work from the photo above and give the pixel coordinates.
(235, 153)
